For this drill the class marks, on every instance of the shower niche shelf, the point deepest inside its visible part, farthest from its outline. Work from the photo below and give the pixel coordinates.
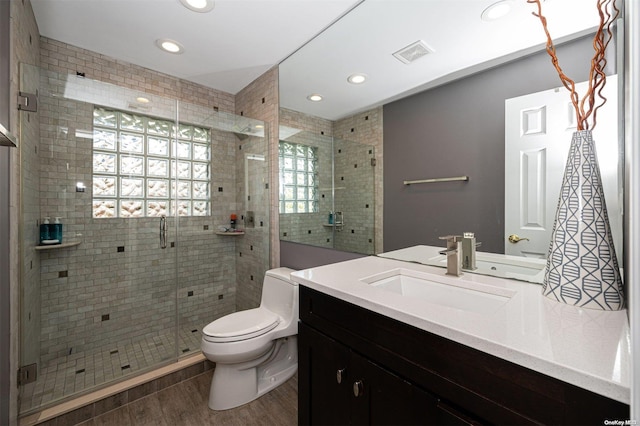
(230, 233)
(338, 226)
(58, 246)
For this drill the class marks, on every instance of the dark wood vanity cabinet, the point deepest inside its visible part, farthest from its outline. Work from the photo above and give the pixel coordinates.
(360, 367)
(346, 388)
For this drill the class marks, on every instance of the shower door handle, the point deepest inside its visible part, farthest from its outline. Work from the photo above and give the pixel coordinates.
(163, 232)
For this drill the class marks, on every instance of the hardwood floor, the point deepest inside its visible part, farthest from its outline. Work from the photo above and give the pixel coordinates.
(185, 404)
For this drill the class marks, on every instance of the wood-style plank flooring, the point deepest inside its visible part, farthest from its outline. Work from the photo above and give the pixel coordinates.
(185, 404)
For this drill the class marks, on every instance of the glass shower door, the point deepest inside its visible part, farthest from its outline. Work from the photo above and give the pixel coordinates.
(100, 304)
(354, 199)
(143, 185)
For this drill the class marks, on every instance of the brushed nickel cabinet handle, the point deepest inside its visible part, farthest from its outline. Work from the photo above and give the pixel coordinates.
(358, 388)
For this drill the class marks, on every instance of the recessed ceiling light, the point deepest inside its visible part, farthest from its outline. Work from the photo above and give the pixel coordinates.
(199, 5)
(314, 97)
(170, 46)
(496, 11)
(357, 78)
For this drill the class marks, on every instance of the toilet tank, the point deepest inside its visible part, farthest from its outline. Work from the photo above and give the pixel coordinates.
(279, 293)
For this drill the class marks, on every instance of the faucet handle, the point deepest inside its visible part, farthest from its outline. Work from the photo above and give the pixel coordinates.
(451, 238)
(471, 236)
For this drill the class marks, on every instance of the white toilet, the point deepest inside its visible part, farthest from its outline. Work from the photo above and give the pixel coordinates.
(254, 350)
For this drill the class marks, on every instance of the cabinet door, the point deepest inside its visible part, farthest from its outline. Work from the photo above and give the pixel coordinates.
(323, 382)
(382, 398)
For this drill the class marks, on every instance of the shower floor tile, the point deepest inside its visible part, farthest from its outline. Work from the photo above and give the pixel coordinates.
(83, 371)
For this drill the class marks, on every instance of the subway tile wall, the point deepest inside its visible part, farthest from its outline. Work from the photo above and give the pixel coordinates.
(118, 285)
(259, 249)
(367, 128)
(354, 196)
(308, 228)
(358, 140)
(68, 59)
(311, 228)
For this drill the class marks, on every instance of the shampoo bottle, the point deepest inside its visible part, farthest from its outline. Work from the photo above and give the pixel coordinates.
(45, 234)
(57, 230)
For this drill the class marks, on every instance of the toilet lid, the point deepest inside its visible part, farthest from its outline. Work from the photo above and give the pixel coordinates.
(241, 325)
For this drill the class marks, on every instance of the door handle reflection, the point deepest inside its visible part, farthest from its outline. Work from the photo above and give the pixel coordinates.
(513, 238)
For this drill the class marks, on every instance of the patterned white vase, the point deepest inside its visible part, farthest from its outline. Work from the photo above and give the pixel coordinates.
(582, 267)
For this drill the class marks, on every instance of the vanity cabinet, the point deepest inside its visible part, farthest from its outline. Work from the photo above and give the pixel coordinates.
(347, 388)
(360, 367)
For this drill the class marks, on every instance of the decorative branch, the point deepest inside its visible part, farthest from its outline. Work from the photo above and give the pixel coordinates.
(593, 99)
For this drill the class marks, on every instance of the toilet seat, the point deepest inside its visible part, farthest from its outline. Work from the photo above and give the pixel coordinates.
(241, 325)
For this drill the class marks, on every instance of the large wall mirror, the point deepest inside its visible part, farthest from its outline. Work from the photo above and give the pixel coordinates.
(437, 75)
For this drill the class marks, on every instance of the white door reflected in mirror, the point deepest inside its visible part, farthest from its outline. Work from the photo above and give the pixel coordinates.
(537, 138)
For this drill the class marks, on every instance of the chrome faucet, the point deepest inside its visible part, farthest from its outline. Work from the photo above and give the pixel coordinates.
(469, 246)
(453, 254)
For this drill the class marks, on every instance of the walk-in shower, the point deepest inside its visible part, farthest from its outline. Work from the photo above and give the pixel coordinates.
(143, 185)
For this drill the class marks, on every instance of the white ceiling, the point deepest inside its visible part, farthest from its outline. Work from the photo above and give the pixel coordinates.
(365, 39)
(226, 48)
(239, 40)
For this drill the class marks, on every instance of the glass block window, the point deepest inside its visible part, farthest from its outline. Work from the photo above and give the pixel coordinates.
(146, 167)
(298, 178)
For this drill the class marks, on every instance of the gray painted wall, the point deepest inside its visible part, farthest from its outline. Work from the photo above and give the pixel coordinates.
(301, 256)
(458, 129)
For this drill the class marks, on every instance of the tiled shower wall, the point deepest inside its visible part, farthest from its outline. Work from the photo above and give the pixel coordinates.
(362, 232)
(257, 250)
(366, 128)
(309, 228)
(354, 196)
(118, 285)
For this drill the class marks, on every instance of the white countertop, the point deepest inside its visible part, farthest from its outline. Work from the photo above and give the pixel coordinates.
(584, 347)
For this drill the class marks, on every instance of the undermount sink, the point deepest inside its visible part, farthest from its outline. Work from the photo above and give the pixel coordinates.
(455, 293)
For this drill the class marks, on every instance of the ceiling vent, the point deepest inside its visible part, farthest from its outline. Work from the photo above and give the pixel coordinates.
(413, 52)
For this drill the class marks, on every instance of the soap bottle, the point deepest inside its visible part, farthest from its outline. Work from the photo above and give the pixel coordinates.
(234, 219)
(330, 218)
(57, 230)
(45, 234)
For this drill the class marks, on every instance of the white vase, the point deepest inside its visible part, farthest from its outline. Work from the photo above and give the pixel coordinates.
(582, 267)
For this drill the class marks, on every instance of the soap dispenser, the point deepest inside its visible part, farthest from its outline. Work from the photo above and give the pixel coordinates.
(45, 234)
(57, 230)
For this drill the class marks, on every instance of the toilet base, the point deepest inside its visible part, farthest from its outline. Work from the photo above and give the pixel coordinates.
(234, 385)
